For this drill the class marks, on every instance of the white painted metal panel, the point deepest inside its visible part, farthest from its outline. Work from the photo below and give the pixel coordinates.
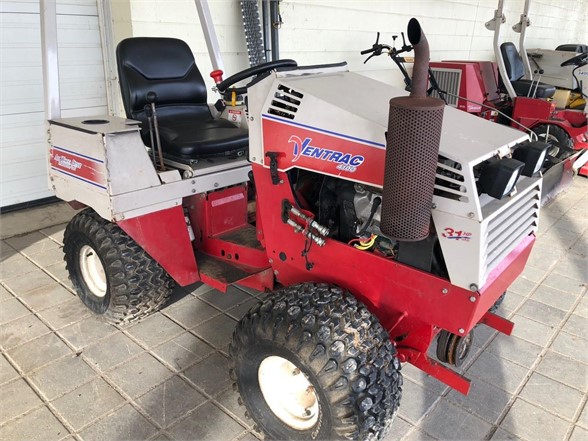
(23, 170)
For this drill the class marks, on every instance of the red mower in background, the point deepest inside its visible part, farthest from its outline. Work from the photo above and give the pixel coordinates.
(473, 86)
(508, 92)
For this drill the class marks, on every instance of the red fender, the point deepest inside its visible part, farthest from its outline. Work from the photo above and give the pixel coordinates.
(164, 236)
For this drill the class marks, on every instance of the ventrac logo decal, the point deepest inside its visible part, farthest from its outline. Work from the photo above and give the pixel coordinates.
(450, 233)
(345, 161)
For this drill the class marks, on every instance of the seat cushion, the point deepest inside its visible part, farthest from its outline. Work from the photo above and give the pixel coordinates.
(522, 88)
(190, 138)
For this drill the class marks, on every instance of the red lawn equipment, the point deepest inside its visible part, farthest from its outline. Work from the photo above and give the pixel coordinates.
(384, 223)
(510, 92)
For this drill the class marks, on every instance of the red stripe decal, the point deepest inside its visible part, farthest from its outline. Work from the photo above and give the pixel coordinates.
(79, 166)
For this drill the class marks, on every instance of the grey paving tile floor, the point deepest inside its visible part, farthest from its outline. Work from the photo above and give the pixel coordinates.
(67, 375)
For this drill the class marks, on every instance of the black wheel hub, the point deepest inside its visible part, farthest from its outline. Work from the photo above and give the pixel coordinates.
(454, 349)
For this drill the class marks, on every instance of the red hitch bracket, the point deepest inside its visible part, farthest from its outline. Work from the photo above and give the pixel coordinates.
(435, 369)
(499, 323)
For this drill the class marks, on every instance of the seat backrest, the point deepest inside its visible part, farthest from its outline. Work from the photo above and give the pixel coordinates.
(512, 61)
(165, 66)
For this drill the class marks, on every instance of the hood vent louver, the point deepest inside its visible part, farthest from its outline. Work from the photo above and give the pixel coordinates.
(449, 180)
(285, 102)
(506, 229)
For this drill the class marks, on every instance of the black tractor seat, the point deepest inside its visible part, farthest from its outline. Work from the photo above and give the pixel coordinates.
(187, 128)
(516, 71)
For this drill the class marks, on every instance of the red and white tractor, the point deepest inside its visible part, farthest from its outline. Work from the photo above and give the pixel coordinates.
(383, 224)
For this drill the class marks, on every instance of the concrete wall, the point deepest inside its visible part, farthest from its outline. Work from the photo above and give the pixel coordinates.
(322, 31)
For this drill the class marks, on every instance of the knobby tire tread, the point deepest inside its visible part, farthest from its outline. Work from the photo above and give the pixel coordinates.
(138, 285)
(344, 346)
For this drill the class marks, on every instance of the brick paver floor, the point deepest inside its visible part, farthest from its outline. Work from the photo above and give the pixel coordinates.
(67, 375)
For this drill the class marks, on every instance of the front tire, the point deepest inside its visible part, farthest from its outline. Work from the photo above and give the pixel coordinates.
(311, 362)
(113, 276)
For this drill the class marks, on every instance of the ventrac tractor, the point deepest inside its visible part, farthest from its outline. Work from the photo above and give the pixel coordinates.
(379, 224)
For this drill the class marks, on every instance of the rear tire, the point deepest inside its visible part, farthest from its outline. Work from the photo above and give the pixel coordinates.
(311, 362)
(557, 136)
(113, 276)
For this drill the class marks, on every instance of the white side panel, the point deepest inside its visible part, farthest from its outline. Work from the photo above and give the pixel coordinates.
(461, 241)
(23, 174)
(472, 248)
(357, 106)
(129, 166)
(257, 98)
(87, 144)
(74, 143)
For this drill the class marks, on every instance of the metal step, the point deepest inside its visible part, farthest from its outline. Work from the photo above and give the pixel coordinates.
(246, 236)
(220, 273)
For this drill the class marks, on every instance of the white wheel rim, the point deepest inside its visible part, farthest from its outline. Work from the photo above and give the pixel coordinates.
(288, 393)
(554, 150)
(92, 271)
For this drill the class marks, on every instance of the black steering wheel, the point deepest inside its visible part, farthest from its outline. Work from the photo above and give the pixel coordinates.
(578, 60)
(252, 71)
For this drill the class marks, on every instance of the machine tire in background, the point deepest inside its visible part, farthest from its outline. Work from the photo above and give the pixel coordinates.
(557, 136)
(497, 303)
(311, 362)
(113, 276)
(454, 349)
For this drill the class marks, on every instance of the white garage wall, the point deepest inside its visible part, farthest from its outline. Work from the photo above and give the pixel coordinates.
(179, 18)
(23, 169)
(323, 31)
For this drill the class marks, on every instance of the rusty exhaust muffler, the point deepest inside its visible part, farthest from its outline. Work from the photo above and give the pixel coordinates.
(412, 150)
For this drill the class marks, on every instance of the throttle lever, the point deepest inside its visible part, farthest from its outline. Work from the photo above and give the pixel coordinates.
(150, 98)
(375, 50)
(375, 47)
(405, 47)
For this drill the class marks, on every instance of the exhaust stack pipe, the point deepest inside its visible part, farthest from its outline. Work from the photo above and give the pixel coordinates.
(420, 71)
(412, 150)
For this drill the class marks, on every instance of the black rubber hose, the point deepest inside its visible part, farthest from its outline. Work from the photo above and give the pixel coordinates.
(375, 205)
